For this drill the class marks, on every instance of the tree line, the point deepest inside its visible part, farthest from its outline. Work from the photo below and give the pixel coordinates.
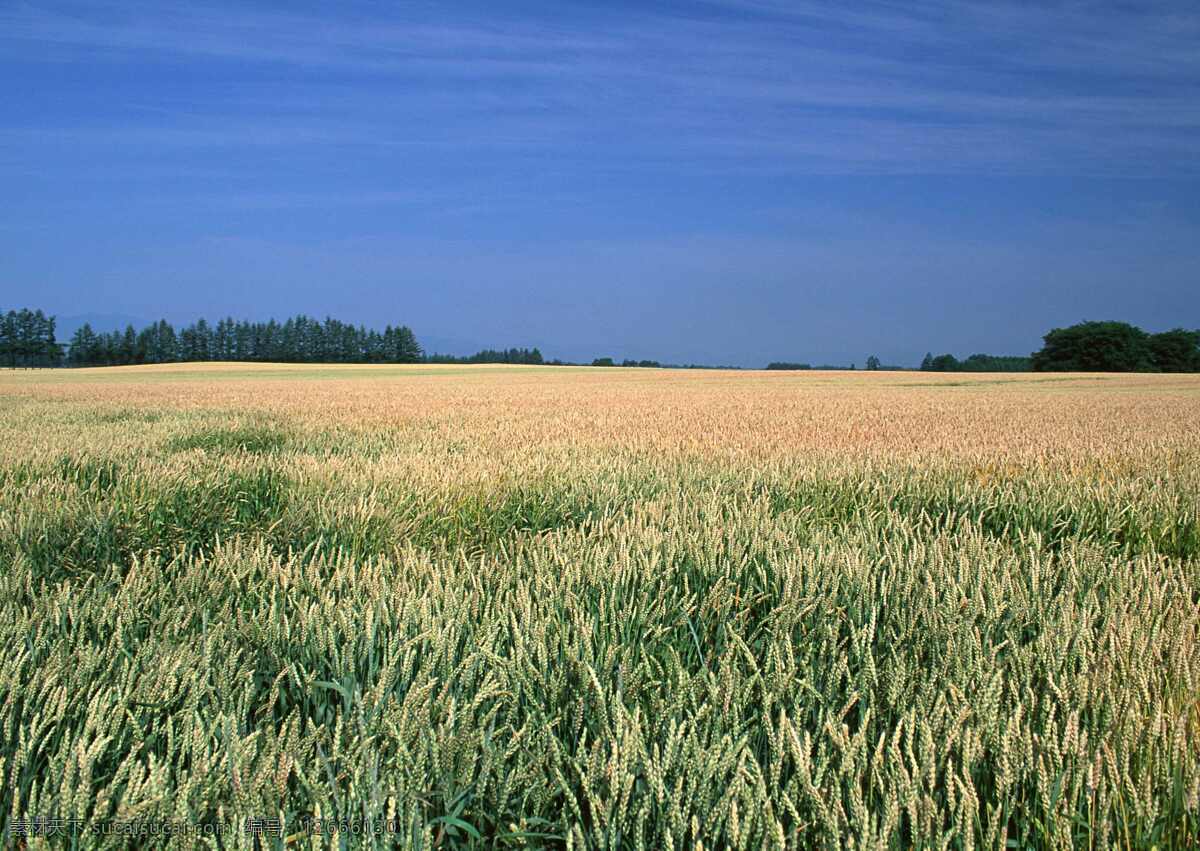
(977, 363)
(1117, 347)
(1089, 347)
(628, 363)
(27, 339)
(300, 339)
(531, 357)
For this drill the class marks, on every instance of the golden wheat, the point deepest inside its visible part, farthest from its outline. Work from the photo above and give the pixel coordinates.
(600, 608)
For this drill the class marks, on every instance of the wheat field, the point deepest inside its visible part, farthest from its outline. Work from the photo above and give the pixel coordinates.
(437, 607)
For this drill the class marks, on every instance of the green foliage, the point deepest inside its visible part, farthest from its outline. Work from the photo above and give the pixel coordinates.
(1176, 350)
(298, 340)
(976, 363)
(531, 357)
(996, 363)
(27, 340)
(1088, 347)
(786, 365)
(941, 363)
(1095, 347)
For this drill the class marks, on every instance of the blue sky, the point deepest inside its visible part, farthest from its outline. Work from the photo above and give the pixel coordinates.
(732, 181)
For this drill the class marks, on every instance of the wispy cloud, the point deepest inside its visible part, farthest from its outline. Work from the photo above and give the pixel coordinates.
(730, 86)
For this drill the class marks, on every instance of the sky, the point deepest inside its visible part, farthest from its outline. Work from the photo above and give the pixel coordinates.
(732, 181)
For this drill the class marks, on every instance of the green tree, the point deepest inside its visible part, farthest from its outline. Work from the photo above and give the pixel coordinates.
(1095, 347)
(51, 350)
(943, 363)
(128, 353)
(204, 340)
(222, 340)
(27, 339)
(872, 363)
(400, 345)
(165, 345)
(81, 348)
(995, 363)
(1176, 350)
(8, 339)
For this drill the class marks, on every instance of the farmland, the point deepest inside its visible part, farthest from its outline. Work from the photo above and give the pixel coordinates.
(602, 608)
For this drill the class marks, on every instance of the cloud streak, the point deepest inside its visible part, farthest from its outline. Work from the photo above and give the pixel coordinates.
(726, 86)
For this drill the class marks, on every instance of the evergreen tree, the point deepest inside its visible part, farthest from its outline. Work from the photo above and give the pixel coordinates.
(204, 340)
(80, 349)
(407, 349)
(128, 352)
(51, 348)
(166, 345)
(27, 339)
(8, 339)
(242, 337)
